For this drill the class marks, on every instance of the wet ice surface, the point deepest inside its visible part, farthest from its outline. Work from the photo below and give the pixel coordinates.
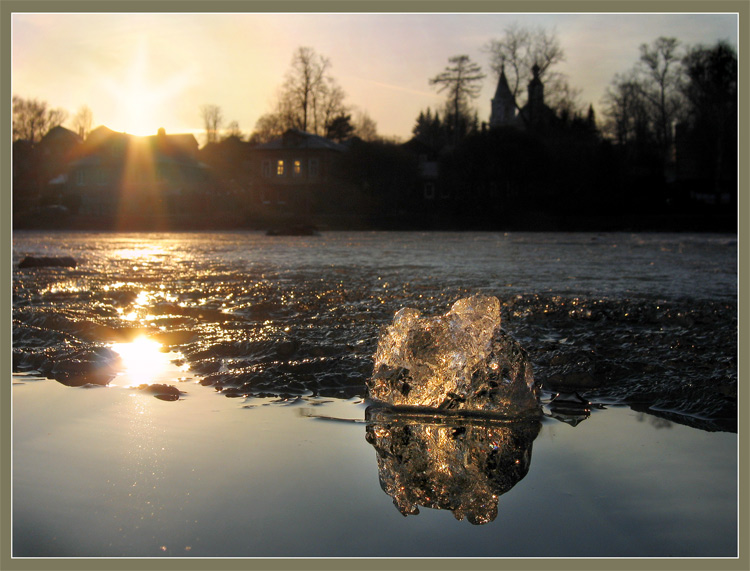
(645, 319)
(632, 338)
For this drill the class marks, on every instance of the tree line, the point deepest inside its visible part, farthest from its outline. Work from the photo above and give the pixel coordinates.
(617, 161)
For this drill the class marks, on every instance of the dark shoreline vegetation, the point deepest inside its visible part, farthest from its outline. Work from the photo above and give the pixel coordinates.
(663, 156)
(703, 219)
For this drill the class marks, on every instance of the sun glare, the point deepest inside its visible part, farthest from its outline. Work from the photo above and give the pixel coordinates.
(145, 96)
(142, 360)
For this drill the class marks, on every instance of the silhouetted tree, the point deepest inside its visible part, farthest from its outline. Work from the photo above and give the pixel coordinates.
(82, 121)
(340, 128)
(660, 73)
(212, 120)
(711, 94)
(463, 81)
(233, 130)
(591, 118)
(32, 119)
(365, 127)
(643, 105)
(329, 105)
(430, 129)
(516, 53)
(310, 98)
(268, 127)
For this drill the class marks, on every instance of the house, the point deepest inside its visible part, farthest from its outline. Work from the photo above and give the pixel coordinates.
(138, 181)
(427, 169)
(230, 162)
(298, 174)
(39, 169)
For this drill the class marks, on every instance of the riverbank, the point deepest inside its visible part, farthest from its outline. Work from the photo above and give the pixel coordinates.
(703, 219)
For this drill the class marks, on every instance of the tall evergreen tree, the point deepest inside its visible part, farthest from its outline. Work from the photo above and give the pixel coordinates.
(463, 81)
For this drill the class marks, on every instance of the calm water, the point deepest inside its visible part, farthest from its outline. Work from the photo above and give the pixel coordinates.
(271, 451)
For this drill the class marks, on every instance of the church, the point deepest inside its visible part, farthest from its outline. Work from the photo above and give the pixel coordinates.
(534, 114)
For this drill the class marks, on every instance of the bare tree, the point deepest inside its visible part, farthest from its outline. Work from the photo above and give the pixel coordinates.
(32, 119)
(310, 98)
(565, 101)
(267, 128)
(303, 84)
(233, 130)
(626, 112)
(519, 50)
(710, 92)
(212, 120)
(329, 105)
(462, 80)
(83, 120)
(661, 78)
(365, 127)
(643, 105)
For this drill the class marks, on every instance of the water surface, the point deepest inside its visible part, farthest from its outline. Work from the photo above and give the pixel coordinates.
(633, 338)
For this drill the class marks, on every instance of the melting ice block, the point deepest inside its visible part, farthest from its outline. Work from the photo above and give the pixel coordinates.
(460, 361)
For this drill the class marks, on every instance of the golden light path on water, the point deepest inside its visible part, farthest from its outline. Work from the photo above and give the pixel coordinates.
(142, 360)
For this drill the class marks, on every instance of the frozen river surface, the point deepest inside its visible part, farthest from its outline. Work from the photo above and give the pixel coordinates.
(633, 338)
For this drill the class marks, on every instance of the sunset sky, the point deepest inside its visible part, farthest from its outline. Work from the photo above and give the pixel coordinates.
(139, 72)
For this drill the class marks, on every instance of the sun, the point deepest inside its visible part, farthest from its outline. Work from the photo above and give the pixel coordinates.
(145, 94)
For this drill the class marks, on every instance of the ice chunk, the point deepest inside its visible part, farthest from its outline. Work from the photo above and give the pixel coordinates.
(458, 361)
(449, 463)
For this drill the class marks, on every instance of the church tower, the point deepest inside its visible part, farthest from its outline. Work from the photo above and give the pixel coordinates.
(503, 111)
(535, 105)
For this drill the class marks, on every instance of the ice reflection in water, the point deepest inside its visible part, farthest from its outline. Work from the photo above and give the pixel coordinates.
(449, 462)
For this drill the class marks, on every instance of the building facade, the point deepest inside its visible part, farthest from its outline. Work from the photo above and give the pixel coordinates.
(298, 173)
(131, 180)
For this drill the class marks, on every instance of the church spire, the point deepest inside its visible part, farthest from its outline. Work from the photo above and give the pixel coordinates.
(503, 111)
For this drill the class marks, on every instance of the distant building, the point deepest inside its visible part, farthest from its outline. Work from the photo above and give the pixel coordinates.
(503, 105)
(428, 170)
(39, 169)
(230, 161)
(298, 173)
(133, 180)
(533, 115)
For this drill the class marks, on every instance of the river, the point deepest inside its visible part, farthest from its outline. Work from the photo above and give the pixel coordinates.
(267, 447)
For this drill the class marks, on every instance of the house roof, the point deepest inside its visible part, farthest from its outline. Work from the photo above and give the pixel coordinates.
(60, 133)
(101, 141)
(298, 139)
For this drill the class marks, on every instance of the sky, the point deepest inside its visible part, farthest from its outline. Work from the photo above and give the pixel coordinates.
(138, 72)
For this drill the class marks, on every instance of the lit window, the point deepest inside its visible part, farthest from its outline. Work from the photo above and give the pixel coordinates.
(297, 167)
(280, 168)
